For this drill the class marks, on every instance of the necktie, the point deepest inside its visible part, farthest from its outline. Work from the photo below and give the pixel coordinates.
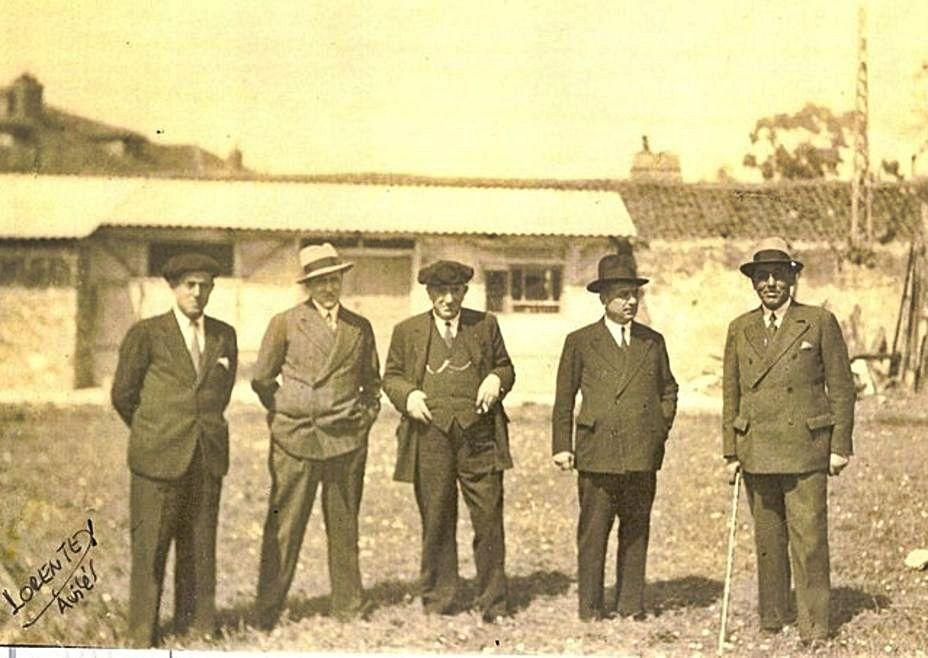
(624, 338)
(329, 320)
(448, 337)
(772, 328)
(195, 353)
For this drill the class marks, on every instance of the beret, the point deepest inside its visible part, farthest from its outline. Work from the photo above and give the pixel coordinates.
(189, 262)
(445, 272)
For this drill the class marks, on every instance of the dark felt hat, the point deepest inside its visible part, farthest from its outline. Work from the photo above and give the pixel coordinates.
(180, 264)
(771, 251)
(616, 268)
(445, 273)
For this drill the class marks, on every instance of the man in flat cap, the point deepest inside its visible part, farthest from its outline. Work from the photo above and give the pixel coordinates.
(172, 384)
(320, 415)
(447, 371)
(787, 419)
(622, 370)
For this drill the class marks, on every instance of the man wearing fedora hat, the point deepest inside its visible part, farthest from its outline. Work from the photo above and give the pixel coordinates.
(447, 372)
(320, 415)
(172, 385)
(629, 394)
(787, 419)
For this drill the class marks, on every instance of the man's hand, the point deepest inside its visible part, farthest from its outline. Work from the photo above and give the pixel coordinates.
(564, 460)
(416, 407)
(836, 464)
(732, 468)
(488, 393)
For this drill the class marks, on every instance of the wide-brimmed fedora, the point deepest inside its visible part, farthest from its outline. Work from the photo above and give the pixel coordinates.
(616, 268)
(319, 260)
(771, 251)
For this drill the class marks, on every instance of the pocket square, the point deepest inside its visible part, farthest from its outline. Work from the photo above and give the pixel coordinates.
(223, 361)
(806, 345)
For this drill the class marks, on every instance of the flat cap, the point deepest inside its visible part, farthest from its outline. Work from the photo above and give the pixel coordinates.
(445, 273)
(190, 262)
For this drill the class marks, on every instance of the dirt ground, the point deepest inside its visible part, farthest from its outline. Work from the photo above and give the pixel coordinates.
(60, 466)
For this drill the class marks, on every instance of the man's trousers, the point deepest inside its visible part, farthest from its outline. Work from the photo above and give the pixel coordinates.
(791, 520)
(603, 497)
(445, 461)
(293, 489)
(186, 511)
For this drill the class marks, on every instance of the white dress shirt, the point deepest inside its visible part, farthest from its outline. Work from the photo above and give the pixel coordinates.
(323, 311)
(621, 333)
(440, 324)
(188, 327)
(778, 314)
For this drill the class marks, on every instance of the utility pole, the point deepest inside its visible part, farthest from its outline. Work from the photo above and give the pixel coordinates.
(862, 183)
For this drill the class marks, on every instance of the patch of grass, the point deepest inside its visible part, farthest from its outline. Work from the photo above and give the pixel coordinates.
(60, 466)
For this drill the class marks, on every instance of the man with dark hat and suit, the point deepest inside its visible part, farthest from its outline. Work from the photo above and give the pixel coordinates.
(787, 419)
(447, 372)
(622, 370)
(320, 415)
(172, 384)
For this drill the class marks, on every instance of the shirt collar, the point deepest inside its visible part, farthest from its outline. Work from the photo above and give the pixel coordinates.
(779, 314)
(184, 322)
(440, 323)
(323, 311)
(615, 328)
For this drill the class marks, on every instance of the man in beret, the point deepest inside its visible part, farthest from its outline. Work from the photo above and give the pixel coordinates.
(447, 371)
(319, 416)
(787, 419)
(629, 394)
(172, 385)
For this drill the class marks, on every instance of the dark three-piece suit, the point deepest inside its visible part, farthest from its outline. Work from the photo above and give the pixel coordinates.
(459, 446)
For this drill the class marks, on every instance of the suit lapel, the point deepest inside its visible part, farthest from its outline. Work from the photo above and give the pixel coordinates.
(757, 334)
(419, 340)
(638, 348)
(794, 325)
(606, 347)
(316, 330)
(214, 344)
(174, 339)
(347, 336)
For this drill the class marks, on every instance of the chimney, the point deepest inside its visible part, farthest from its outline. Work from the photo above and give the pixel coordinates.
(27, 98)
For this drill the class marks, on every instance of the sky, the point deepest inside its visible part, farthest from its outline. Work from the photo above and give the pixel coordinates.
(561, 89)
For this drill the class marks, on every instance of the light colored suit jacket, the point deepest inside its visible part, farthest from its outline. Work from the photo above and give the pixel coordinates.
(787, 407)
(169, 409)
(629, 400)
(330, 391)
(405, 370)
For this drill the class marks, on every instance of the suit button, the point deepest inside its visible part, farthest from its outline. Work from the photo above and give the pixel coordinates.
(789, 389)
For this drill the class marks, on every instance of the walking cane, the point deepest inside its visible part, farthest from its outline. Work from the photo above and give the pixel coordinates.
(732, 525)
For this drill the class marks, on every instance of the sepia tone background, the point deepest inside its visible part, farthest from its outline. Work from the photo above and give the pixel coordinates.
(527, 139)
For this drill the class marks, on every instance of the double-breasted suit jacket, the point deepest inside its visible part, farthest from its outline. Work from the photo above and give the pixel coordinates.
(320, 417)
(786, 408)
(405, 370)
(178, 455)
(168, 408)
(629, 400)
(330, 390)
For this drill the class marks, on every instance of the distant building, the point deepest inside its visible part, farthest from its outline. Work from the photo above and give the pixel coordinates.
(38, 139)
(649, 166)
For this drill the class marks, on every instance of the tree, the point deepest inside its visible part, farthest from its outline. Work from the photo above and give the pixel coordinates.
(804, 145)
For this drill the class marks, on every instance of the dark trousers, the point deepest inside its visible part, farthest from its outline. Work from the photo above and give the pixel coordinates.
(791, 520)
(443, 462)
(293, 489)
(603, 496)
(186, 511)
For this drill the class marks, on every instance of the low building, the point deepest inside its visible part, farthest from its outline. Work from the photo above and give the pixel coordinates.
(80, 259)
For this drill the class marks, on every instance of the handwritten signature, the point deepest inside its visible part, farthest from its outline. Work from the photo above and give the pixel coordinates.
(70, 557)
